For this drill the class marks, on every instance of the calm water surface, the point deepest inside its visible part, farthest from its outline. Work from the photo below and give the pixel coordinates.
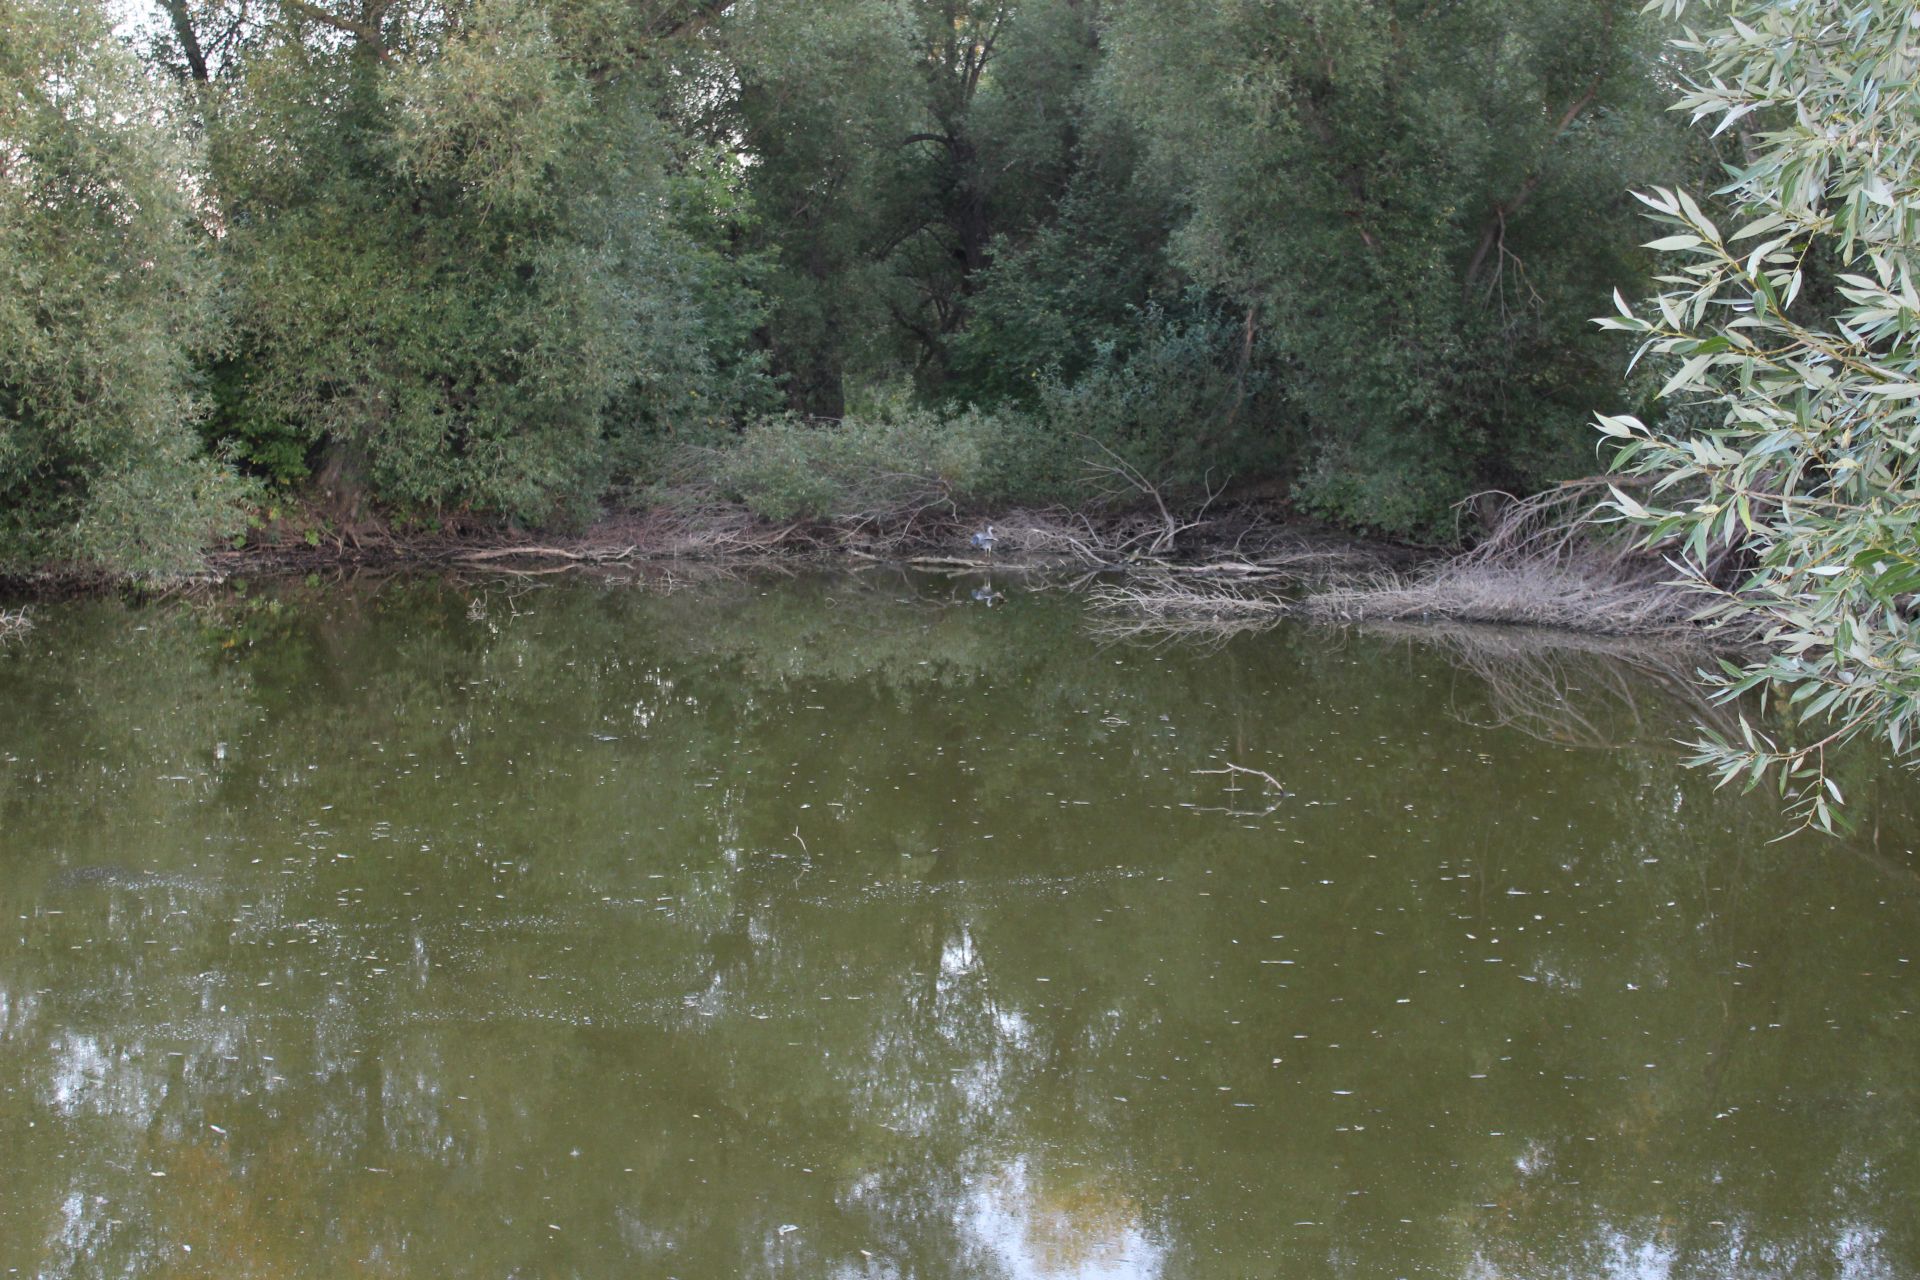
(847, 928)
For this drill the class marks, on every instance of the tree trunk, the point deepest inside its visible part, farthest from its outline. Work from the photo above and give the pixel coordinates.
(189, 40)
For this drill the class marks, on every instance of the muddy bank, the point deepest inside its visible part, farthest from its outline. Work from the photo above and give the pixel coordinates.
(1148, 571)
(1234, 540)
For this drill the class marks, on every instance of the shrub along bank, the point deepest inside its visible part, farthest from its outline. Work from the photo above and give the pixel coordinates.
(428, 265)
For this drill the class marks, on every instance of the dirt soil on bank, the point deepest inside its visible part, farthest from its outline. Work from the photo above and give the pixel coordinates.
(1046, 539)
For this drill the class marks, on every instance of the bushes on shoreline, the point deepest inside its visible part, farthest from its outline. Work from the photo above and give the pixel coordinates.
(109, 301)
(517, 260)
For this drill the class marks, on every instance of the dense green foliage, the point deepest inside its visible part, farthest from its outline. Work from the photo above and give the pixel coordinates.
(523, 258)
(1791, 338)
(1409, 204)
(106, 301)
(458, 252)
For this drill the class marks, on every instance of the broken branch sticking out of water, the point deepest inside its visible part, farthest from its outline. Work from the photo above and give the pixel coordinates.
(588, 555)
(1273, 790)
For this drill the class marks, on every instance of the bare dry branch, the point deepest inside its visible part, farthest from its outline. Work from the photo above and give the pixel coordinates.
(1275, 793)
(1116, 477)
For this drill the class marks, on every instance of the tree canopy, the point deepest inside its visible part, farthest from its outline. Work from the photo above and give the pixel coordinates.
(110, 301)
(510, 258)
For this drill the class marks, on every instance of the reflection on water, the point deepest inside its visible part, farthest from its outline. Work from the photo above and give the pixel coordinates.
(849, 928)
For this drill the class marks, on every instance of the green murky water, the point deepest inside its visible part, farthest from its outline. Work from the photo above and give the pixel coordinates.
(847, 928)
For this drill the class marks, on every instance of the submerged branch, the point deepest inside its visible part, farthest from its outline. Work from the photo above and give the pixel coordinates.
(1275, 793)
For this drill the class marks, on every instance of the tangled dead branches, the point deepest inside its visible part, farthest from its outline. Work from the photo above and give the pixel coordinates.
(1608, 598)
(1117, 481)
(1546, 561)
(1166, 605)
(1550, 560)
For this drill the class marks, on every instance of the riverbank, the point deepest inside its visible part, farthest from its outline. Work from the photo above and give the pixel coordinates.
(1147, 570)
(1252, 534)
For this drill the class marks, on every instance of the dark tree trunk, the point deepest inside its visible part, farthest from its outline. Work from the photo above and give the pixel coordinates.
(189, 40)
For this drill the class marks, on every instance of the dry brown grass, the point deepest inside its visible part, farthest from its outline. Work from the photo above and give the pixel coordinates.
(14, 622)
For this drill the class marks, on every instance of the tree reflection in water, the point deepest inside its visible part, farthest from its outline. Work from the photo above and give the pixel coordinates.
(821, 928)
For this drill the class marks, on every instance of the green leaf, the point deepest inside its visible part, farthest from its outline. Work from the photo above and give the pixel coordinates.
(1627, 505)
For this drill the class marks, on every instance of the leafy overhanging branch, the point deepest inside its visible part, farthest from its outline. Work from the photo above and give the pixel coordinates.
(1813, 466)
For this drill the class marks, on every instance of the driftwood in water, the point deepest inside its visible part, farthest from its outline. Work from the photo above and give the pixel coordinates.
(1552, 560)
